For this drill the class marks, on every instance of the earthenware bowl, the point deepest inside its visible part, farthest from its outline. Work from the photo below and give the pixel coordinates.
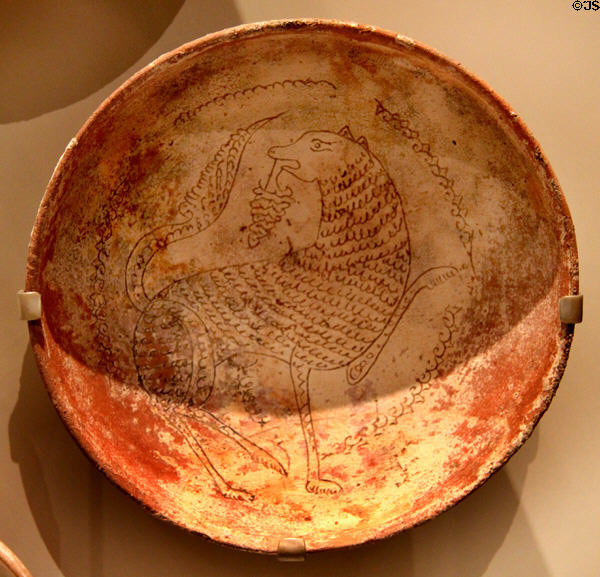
(301, 280)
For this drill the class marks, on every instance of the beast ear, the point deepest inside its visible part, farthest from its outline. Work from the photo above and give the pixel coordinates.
(363, 142)
(345, 132)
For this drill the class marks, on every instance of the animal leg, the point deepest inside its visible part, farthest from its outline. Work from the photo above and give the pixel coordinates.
(360, 366)
(174, 359)
(257, 453)
(179, 422)
(314, 483)
(173, 354)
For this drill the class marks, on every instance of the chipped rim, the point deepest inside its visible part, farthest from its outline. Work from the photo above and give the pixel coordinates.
(358, 32)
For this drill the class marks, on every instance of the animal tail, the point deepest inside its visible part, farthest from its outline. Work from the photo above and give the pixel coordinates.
(360, 366)
(201, 206)
(173, 353)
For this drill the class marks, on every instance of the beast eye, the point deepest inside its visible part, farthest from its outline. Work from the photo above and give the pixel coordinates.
(318, 145)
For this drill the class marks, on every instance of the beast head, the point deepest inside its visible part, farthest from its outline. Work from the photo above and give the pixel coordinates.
(319, 155)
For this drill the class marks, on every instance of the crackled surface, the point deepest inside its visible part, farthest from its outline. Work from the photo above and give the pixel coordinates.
(301, 281)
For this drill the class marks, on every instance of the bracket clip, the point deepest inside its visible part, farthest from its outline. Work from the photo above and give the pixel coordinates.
(30, 305)
(291, 549)
(571, 309)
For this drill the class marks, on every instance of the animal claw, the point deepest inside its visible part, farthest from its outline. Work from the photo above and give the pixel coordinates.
(270, 462)
(237, 495)
(323, 487)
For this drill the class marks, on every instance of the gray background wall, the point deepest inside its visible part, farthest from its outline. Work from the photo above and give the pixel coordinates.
(58, 60)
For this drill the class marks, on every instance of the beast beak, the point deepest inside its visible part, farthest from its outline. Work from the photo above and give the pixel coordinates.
(279, 153)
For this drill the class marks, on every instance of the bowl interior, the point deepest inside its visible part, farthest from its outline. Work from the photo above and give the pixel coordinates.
(302, 280)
